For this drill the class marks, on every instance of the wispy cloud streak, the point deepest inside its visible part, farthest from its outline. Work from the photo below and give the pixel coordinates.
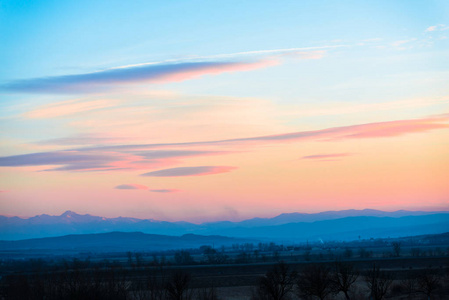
(149, 156)
(159, 72)
(73, 160)
(157, 154)
(54, 158)
(131, 186)
(150, 73)
(164, 190)
(135, 186)
(67, 108)
(439, 27)
(190, 171)
(368, 130)
(305, 52)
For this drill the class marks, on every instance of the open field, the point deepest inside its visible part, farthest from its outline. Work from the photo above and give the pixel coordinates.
(239, 281)
(227, 273)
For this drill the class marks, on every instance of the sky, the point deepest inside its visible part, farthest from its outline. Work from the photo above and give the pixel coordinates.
(223, 110)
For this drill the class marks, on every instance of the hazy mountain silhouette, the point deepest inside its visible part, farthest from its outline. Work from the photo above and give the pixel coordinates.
(119, 241)
(349, 228)
(321, 216)
(346, 224)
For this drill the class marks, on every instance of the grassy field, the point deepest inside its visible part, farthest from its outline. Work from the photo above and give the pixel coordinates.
(409, 270)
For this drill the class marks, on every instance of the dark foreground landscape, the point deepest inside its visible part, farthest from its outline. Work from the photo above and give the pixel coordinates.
(415, 267)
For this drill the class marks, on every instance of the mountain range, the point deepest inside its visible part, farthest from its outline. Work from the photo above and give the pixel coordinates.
(119, 242)
(329, 225)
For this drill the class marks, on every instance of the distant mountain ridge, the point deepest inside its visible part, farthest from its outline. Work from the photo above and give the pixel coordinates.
(348, 228)
(331, 215)
(281, 227)
(118, 242)
(138, 241)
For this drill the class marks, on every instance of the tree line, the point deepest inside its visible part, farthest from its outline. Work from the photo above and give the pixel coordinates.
(282, 281)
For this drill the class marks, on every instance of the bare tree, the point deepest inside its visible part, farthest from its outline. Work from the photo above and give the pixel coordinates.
(207, 294)
(130, 258)
(378, 283)
(150, 288)
(117, 284)
(183, 258)
(409, 285)
(139, 259)
(416, 252)
(348, 253)
(177, 287)
(138, 290)
(314, 280)
(155, 285)
(428, 282)
(396, 248)
(344, 277)
(277, 283)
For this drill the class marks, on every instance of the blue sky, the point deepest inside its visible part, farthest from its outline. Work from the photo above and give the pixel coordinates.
(46, 38)
(41, 38)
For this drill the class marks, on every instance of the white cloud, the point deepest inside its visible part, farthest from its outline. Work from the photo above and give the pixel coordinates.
(439, 27)
(403, 42)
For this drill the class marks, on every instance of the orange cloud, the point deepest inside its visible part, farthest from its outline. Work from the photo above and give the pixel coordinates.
(69, 107)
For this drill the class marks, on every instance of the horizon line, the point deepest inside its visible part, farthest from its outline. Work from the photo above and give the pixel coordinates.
(429, 210)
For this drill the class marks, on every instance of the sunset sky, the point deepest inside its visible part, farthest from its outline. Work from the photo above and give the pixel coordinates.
(223, 110)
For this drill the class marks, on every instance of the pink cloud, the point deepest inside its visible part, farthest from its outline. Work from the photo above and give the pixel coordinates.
(103, 159)
(190, 171)
(145, 156)
(369, 130)
(110, 78)
(131, 186)
(155, 72)
(394, 128)
(215, 69)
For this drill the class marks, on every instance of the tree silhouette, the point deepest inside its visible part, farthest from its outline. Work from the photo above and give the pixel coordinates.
(207, 294)
(428, 282)
(378, 283)
(343, 278)
(396, 248)
(315, 280)
(178, 286)
(277, 283)
(183, 258)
